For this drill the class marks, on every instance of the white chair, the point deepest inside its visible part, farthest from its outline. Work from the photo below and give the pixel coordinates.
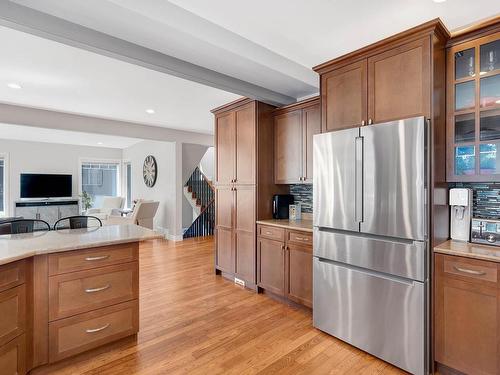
(143, 215)
(108, 205)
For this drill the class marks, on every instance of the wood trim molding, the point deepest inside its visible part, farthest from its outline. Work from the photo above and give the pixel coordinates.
(435, 26)
(475, 30)
(231, 105)
(299, 105)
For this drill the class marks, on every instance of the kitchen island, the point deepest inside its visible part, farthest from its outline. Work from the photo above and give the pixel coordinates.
(68, 291)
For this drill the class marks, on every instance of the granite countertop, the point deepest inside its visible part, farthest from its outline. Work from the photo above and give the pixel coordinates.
(305, 225)
(469, 250)
(18, 246)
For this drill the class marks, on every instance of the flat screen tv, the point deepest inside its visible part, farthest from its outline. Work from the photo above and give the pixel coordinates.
(46, 185)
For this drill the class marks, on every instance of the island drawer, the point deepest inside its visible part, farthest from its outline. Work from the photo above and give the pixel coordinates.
(300, 238)
(79, 260)
(12, 313)
(80, 333)
(13, 357)
(12, 274)
(79, 292)
(272, 233)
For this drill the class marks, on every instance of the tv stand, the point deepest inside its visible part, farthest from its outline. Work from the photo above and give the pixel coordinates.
(47, 209)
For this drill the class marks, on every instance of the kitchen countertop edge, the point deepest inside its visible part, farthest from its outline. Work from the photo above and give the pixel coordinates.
(469, 250)
(12, 252)
(300, 225)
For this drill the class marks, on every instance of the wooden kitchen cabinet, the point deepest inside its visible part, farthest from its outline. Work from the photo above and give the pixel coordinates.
(288, 147)
(224, 217)
(344, 97)
(473, 106)
(467, 314)
(13, 357)
(299, 276)
(244, 184)
(386, 81)
(284, 263)
(399, 81)
(271, 272)
(225, 130)
(244, 231)
(294, 127)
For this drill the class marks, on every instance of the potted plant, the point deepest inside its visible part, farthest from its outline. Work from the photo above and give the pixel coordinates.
(86, 200)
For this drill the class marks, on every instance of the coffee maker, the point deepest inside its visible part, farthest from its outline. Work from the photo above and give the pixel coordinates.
(461, 213)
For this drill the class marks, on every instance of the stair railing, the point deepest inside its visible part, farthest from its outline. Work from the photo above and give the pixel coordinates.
(204, 193)
(204, 224)
(200, 187)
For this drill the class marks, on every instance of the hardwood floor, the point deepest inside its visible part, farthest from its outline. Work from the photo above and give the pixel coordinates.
(193, 322)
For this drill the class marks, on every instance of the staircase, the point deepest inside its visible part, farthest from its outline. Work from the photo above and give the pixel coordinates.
(201, 194)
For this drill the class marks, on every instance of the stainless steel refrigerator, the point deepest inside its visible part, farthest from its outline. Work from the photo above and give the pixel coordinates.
(370, 265)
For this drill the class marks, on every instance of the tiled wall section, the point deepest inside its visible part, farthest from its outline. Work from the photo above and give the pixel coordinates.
(486, 201)
(303, 194)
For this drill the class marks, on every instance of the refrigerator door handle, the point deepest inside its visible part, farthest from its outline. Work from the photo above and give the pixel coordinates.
(358, 170)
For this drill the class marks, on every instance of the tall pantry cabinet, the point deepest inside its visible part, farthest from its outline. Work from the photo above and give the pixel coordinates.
(244, 183)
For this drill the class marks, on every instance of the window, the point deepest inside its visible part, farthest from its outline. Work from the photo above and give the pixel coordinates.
(3, 184)
(128, 185)
(100, 179)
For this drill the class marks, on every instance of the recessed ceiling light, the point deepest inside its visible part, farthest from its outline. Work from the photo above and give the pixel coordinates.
(150, 111)
(13, 85)
(99, 143)
(439, 1)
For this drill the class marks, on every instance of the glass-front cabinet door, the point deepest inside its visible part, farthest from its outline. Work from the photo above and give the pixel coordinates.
(473, 110)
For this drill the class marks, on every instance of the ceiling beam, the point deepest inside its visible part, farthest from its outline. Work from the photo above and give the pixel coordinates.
(44, 25)
(42, 118)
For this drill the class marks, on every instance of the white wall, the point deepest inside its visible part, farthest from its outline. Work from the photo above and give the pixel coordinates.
(207, 163)
(167, 220)
(39, 157)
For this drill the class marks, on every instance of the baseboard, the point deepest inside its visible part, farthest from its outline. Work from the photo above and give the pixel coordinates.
(172, 237)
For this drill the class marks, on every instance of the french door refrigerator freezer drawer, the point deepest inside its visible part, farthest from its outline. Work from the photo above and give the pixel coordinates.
(380, 314)
(399, 257)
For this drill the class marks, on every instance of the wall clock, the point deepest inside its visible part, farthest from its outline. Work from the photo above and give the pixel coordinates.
(150, 171)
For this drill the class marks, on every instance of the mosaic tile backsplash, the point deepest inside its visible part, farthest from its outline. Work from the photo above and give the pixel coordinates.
(486, 198)
(303, 194)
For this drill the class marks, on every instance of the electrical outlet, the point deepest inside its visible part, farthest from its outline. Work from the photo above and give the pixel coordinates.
(239, 281)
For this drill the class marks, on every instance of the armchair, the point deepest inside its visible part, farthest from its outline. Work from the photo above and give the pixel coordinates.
(143, 215)
(108, 205)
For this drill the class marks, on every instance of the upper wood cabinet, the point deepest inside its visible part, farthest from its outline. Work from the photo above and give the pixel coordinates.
(399, 82)
(294, 127)
(235, 138)
(288, 147)
(385, 81)
(225, 133)
(473, 107)
(344, 97)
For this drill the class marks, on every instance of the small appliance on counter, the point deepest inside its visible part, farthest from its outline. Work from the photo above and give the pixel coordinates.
(295, 211)
(461, 209)
(486, 231)
(280, 205)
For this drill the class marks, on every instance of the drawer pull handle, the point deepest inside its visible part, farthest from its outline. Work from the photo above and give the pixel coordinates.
(94, 330)
(301, 238)
(269, 232)
(470, 272)
(91, 259)
(94, 290)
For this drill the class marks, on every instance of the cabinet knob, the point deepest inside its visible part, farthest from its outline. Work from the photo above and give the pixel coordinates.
(363, 123)
(370, 121)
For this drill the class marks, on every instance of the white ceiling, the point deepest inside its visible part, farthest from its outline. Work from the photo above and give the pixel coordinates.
(28, 133)
(59, 77)
(308, 32)
(272, 44)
